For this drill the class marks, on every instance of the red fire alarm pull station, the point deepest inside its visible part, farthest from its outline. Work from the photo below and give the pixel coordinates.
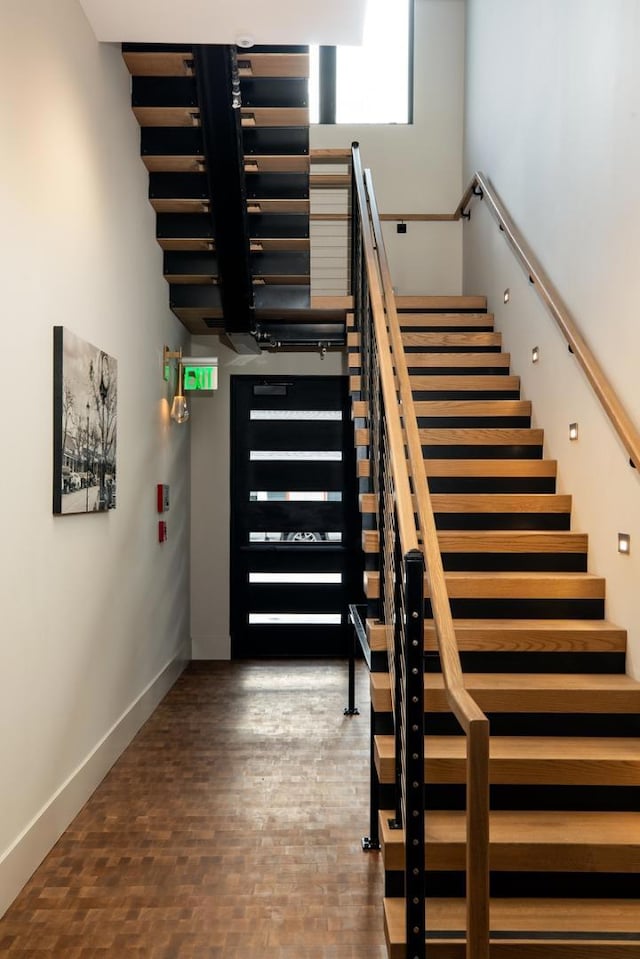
(163, 497)
(162, 531)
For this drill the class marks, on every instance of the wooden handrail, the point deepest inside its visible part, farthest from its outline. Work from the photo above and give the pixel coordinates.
(469, 715)
(465, 708)
(622, 423)
(406, 522)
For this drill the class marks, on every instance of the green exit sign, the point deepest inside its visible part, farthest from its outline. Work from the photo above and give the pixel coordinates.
(200, 377)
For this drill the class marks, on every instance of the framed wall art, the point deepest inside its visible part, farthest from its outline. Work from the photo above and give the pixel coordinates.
(85, 394)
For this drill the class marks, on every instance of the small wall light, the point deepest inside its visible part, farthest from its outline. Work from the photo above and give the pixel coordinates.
(573, 431)
(624, 543)
(535, 354)
(507, 295)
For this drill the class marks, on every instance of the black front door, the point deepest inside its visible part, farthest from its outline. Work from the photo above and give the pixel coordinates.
(295, 555)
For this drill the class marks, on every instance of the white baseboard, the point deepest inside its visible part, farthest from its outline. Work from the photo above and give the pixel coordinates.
(23, 857)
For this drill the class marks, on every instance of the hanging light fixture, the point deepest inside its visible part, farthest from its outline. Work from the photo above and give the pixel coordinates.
(179, 406)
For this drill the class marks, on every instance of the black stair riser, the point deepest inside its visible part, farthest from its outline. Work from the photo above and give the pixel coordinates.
(330, 334)
(474, 422)
(521, 521)
(171, 141)
(277, 186)
(280, 225)
(449, 349)
(195, 186)
(274, 92)
(178, 186)
(275, 141)
(542, 724)
(201, 263)
(487, 370)
(465, 394)
(534, 662)
(271, 48)
(433, 310)
(552, 885)
(428, 328)
(576, 798)
(164, 92)
(515, 562)
(200, 296)
(524, 608)
(492, 484)
(184, 225)
(156, 48)
(482, 452)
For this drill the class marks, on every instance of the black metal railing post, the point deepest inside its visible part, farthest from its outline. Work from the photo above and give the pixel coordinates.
(413, 758)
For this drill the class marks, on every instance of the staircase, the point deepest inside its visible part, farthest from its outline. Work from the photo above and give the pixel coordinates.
(538, 656)
(225, 138)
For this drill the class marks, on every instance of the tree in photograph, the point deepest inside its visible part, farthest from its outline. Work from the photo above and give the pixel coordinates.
(68, 402)
(104, 399)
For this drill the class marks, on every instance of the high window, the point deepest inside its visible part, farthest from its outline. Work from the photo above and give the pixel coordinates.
(372, 83)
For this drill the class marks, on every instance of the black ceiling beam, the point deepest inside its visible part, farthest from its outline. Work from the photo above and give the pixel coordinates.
(222, 143)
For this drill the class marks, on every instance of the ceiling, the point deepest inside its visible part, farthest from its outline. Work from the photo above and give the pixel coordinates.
(227, 21)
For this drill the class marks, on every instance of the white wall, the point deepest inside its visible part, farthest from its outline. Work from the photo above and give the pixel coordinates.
(210, 484)
(94, 611)
(418, 168)
(553, 118)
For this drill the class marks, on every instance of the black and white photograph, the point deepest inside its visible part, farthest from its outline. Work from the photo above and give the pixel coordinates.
(85, 394)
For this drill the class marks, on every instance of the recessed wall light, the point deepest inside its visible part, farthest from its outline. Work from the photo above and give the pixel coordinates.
(507, 295)
(535, 354)
(624, 543)
(573, 431)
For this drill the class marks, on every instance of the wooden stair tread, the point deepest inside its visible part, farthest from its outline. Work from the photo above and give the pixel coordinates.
(259, 206)
(500, 502)
(519, 635)
(526, 692)
(152, 63)
(560, 760)
(453, 320)
(181, 116)
(469, 340)
(532, 635)
(472, 408)
(522, 840)
(276, 163)
(491, 541)
(512, 541)
(502, 585)
(522, 584)
(457, 360)
(490, 467)
(171, 163)
(274, 116)
(272, 64)
(481, 436)
(462, 383)
(553, 918)
(445, 303)
(466, 503)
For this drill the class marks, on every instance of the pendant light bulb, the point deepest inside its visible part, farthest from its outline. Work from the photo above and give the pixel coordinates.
(179, 407)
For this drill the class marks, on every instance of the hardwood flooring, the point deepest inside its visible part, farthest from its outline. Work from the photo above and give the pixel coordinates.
(229, 829)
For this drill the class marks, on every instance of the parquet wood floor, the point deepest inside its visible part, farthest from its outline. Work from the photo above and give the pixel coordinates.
(229, 829)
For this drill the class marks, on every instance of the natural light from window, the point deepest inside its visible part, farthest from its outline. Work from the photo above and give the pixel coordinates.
(372, 81)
